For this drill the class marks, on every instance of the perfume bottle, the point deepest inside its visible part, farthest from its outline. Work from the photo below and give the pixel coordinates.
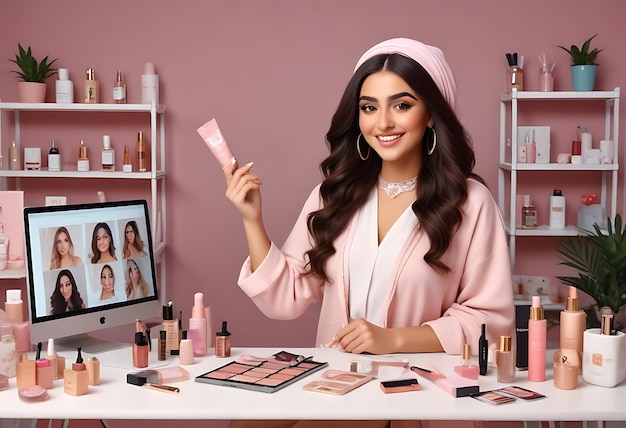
(140, 153)
(108, 154)
(467, 369)
(54, 158)
(92, 88)
(529, 214)
(119, 89)
(82, 164)
(127, 165)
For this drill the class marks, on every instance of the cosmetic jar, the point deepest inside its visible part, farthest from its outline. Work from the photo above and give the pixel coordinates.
(33, 394)
(565, 364)
(604, 357)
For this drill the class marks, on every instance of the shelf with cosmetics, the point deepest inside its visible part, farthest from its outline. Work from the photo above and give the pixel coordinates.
(151, 171)
(522, 152)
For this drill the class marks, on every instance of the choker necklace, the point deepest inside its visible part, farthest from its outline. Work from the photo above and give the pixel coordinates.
(393, 189)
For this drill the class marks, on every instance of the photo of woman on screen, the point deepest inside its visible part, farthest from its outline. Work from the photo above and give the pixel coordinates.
(65, 297)
(102, 246)
(133, 245)
(136, 285)
(107, 283)
(63, 250)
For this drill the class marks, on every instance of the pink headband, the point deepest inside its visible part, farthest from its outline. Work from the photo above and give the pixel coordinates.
(429, 57)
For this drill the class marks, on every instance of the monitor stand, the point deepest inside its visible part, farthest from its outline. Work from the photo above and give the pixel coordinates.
(88, 344)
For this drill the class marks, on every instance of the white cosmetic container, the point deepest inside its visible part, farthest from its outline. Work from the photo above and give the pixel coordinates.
(604, 355)
(557, 210)
(64, 88)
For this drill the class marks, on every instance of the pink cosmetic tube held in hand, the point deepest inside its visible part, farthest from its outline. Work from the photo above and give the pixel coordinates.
(213, 138)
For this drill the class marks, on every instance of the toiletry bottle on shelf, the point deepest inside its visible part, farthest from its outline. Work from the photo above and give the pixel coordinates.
(140, 351)
(185, 356)
(15, 160)
(531, 149)
(127, 166)
(57, 361)
(141, 156)
(467, 369)
(604, 354)
(82, 164)
(54, 158)
(108, 154)
(557, 210)
(119, 89)
(76, 379)
(92, 88)
(546, 79)
(222, 342)
(197, 326)
(572, 323)
(64, 87)
(149, 85)
(529, 214)
(505, 360)
(537, 330)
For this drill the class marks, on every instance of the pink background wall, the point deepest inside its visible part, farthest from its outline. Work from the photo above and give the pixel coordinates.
(272, 73)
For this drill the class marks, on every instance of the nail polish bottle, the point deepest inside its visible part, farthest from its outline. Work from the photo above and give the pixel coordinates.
(140, 351)
(467, 369)
(25, 372)
(197, 326)
(185, 356)
(505, 360)
(76, 379)
(43, 370)
(537, 330)
(222, 342)
(82, 165)
(108, 154)
(119, 89)
(54, 158)
(92, 88)
(92, 366)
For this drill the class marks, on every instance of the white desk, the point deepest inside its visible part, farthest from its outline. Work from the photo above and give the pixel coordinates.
(115, 399)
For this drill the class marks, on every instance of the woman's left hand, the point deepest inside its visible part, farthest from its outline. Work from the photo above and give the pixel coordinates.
(361, 336)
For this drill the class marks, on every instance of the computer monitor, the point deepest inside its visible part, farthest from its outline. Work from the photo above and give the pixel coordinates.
(89, 267)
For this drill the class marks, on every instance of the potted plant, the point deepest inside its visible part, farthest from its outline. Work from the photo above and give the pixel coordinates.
(583, 65)
(600, 258)
(33, 74)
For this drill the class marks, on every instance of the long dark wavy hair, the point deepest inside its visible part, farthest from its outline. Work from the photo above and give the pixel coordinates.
(94, 242)
(58, 303)
(348, 180)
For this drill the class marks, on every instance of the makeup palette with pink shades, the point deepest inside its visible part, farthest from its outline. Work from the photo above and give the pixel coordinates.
(262, 374)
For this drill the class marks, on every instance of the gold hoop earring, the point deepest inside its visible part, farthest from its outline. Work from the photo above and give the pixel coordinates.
(358, 148)
(431, 150)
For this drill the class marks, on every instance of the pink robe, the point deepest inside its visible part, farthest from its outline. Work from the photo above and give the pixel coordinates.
(478, 289)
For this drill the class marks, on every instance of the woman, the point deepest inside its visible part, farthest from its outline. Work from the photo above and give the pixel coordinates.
(66, 296)
(401, 243)
(102, 246)
(133, 245)
(107, 282)
(63, 250)
(136, 286)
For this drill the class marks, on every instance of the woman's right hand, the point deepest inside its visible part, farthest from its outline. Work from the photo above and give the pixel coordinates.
(243, 190)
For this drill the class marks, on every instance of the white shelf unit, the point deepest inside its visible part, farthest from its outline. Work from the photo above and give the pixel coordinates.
(510, 103)
(155, 176)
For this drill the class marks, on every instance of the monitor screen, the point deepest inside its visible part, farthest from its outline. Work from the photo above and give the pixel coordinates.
(89, 267)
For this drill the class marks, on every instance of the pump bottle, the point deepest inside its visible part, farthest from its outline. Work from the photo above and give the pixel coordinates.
(197, 326)
(537, 329)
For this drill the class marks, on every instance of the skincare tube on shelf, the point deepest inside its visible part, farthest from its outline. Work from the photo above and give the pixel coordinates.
(213, 138)
(537, 330)
(197, 326)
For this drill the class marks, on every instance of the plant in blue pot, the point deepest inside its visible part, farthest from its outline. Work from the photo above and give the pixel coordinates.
(583, 65)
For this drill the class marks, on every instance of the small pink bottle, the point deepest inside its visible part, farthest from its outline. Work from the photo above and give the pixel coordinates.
(537, 329)
(197, 326)
(468, 369)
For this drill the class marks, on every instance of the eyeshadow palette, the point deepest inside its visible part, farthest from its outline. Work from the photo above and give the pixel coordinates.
(337, 382)
(265, 376)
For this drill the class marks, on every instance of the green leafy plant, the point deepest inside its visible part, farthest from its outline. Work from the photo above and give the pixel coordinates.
(31, 70)
(582, 55)
(600, 258)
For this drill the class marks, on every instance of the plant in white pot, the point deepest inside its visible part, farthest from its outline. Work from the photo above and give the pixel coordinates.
(600, 258)
(583, 65)
(33, 75)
